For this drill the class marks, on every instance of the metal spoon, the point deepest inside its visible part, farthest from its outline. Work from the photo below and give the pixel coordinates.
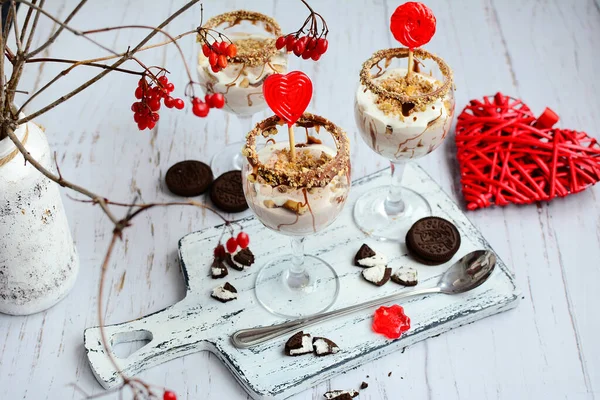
(466, 274)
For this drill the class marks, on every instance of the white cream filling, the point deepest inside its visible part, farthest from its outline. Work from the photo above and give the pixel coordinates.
(221, 293)
(306, 346)
(216, 271)
(406, 274)
(336, 393)
(374, 261)
(322, 347)
(374, 274)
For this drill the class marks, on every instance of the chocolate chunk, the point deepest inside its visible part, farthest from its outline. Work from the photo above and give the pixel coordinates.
(367, 257)
(405, 276)
(433, 240)
(377, 275)
(341, 394)
(324, 346)
(224, 293)
(299, 344)
(189, 178)
(227, 192)
(364, 385)
(218, 269)
(240, 259)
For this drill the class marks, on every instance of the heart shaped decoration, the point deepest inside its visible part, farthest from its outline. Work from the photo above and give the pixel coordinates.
(288, 95)
(506, 155)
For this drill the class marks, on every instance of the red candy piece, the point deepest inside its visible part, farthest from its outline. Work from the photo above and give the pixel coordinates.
(413, 24)
(506, 155)
(391, 321)
(288, 95)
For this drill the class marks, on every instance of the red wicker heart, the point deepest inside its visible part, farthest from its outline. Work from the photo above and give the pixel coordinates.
(506, 155)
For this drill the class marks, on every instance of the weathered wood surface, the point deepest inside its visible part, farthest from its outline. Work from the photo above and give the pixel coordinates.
(200, 323)
(543, 51)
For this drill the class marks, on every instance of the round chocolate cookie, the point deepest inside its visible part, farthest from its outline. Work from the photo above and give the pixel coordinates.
(227, 192)
(433, 240)
(189, 178)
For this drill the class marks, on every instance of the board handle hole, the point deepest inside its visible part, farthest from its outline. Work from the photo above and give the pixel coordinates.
(124, 344)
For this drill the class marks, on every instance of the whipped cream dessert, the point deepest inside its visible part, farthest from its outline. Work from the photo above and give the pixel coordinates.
(295, 210)
(242, 84)
(401, 132)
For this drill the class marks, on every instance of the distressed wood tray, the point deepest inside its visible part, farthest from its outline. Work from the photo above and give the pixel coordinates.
(199, 323)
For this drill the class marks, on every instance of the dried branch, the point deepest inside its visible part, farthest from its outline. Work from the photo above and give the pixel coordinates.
(16, 27)
(34, 26)
(120, 61)
(26, 22)
(89, 64)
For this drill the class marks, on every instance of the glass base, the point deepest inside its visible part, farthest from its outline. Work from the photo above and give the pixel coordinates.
(228, 159)
(372, 219)
(297, 295)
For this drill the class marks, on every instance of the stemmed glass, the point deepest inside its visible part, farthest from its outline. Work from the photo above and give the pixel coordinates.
(401, 118)
(297, 198)
(240, 82)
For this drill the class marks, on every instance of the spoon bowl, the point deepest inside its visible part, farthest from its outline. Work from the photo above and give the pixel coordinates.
(468, 272)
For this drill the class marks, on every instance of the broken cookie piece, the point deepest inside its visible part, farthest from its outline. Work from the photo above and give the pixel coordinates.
(364, 385)
(224, 293)
(299, 344)
(341, 394)
(324, 346)
(240, 259)
(378, 276)
(405, 276)
(218, 269)
(367, 257)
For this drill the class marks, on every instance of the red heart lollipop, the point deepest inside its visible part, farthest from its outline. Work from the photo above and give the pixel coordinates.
(288, 95)
(413, 24)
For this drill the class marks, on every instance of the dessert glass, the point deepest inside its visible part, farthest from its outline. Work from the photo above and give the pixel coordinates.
(297, 198)
(254, 35)
(401, 119)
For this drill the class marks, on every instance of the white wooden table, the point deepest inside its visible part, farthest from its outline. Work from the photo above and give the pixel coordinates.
(545, 52)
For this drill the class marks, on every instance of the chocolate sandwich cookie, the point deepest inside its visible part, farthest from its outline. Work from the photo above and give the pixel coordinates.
(189, 178)
(224, 293)
(240, 259)
(341, 394)
(433, 240)
(324, 346)
(378, 275)
(367, 257)
(405, 276)
(227, 192)
(299, 344)
(218, 269)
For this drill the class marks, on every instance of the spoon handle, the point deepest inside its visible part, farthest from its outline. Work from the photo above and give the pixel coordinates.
(245, 338)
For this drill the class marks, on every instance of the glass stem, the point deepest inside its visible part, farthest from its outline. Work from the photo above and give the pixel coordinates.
(394, 205)
(297, 276)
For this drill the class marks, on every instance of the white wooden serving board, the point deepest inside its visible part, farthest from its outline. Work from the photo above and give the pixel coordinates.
(199, 322)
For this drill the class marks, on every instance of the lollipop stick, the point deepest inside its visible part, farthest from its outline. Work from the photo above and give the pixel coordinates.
(410, 63)
(292, 142)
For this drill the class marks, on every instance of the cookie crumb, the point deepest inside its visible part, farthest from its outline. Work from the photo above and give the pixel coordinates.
(364, 385)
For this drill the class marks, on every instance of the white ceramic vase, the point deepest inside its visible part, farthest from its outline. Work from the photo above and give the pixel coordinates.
(38, 260)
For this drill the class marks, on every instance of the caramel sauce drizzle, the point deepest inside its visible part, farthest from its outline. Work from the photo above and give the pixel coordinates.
(306, 203)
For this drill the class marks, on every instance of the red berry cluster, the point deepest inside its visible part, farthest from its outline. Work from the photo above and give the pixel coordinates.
(145, 111)
(303, 46)
(242, 240)
(218, 54)
(200, 108)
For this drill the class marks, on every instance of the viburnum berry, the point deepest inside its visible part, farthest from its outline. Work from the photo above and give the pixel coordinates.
(170, 87)
(290, 41)
(200, 109)
(212, 59)
(231, 50)
(169, 102)
(299, 48)
(315, 55)
(163, 80)
(222, 61)
(231, 244)
(217, 100)
(168, 395)
(223, 46)
(280, 42)
(306, 54)
(206, 50)
(322, 45)
(215, 68)
(219, 251)
(139, 92)
(243, 240)
(179, 104)
(154, 104)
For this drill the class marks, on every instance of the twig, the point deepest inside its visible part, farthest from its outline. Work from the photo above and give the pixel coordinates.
(89, 64)
(26, 22)
(124, 58)
(16, 27)
(62, 26)
(34, 26)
